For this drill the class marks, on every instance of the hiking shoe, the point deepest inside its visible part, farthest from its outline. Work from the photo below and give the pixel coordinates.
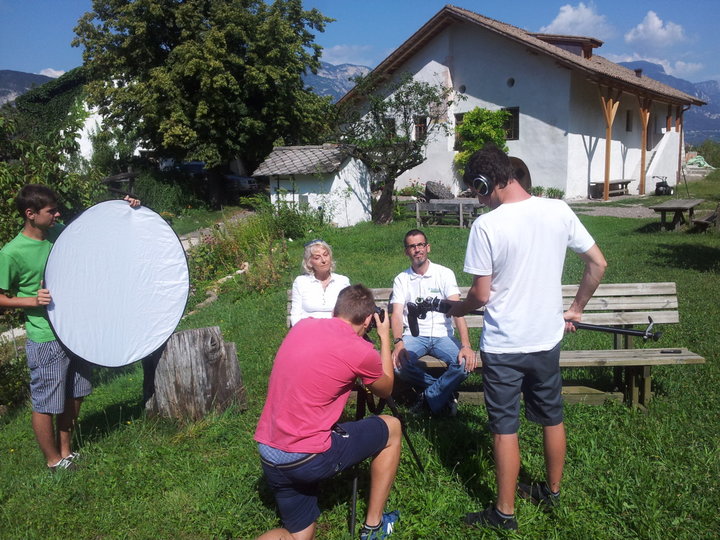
(539, 494)
(383, 530)
(64, 464)
(490, 518)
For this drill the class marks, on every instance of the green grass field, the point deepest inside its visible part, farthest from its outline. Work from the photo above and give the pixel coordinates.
(629, 474)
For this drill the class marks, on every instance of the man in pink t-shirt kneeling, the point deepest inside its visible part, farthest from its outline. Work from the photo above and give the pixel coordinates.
(299, 439)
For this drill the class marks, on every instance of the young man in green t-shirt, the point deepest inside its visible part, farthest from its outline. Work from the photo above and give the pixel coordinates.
(58, 382)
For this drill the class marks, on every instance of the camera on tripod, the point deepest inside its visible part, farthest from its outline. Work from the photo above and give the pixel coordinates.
(420, 308)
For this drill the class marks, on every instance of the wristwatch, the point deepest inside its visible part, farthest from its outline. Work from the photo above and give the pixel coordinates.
(397, 340)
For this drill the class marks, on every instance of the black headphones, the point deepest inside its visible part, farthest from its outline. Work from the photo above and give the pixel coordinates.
(483, 186)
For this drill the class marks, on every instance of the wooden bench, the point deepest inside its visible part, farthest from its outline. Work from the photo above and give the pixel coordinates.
(616, 187)
(622, 305)
(711, 220)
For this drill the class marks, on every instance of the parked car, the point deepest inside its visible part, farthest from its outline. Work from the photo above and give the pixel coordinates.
(240, 185)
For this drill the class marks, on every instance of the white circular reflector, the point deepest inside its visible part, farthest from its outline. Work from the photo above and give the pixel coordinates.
(119, 282)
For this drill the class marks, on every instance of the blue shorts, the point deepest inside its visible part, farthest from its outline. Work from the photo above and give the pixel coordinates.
(55, 377)
(295, 485)
(535, 375)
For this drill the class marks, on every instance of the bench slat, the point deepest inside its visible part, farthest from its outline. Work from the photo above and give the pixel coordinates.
(610, 358)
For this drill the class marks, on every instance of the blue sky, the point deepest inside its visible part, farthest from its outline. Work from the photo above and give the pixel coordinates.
(35, 35)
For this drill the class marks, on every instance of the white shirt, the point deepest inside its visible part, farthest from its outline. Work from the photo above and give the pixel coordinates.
(437, 282)
(309, 299)
(522, 245)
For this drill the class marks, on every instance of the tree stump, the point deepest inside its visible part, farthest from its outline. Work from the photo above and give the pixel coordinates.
(196, 372)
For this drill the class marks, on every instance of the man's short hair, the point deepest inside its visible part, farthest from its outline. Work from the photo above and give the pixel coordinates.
(413, 232)
(35, 197)
(490, 162)
(354, 303)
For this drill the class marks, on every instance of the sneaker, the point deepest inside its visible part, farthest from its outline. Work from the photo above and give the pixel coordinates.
(383, 530)
(490, 518)
(539, 494)
(420, 407)
(74, 457)
(64, 464)
(452, 407)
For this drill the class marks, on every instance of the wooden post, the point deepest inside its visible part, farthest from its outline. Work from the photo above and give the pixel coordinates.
(644, 121)
(610, 106)
(197, 373)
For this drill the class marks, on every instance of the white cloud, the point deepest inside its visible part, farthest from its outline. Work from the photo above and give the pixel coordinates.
(50, 72)
(654, 32)
(361, 55)
(580, 20)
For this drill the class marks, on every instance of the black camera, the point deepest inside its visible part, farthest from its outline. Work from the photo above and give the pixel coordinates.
(419, 310)
(381, 314)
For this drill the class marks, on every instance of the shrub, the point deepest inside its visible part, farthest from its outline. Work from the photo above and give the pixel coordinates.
(538, 191)
(13, 375)
(554, 193)
(415, 189)
(168, 192)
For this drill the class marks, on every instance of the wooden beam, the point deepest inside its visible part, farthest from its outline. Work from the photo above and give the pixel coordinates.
(645, 104)
(609, 105)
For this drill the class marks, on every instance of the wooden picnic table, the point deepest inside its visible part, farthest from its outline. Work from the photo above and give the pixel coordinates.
(677, 207)
(433, 212)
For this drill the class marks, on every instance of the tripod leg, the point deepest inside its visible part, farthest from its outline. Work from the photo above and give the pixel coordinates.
(393, 408)
(359, 415)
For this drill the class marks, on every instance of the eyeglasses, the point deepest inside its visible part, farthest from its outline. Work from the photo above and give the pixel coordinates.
(418, 245)
(311, 242)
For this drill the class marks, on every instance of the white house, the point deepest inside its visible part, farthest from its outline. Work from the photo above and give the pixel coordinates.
(323, 178)
(577, 118)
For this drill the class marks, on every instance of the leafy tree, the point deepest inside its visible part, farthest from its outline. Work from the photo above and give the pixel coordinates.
(206, 80)
(710, 151)
(377, 122)
(479, 127)
(40, 160)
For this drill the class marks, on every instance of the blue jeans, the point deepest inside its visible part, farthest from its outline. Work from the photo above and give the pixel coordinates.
(438, 391)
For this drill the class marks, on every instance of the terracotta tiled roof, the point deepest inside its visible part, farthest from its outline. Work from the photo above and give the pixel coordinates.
(302, 160)
(596, 68)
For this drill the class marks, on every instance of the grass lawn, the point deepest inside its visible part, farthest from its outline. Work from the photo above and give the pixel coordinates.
(629, 474)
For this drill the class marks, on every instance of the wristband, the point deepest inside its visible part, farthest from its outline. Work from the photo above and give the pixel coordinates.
(397, 340)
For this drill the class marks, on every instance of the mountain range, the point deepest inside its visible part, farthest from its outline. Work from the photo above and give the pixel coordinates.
(16, 83)
(701, 123)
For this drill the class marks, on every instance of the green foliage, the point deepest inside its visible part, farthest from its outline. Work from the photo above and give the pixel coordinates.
(538, 191)
(13, 375)
(378, 123)
(48, 160)
(710, 150)
(415, 189)
(167, 192)
(554, 193)
(44, 110)
(204, 80)
(479, 127)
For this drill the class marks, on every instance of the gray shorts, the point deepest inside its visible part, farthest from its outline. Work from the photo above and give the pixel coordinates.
(535, 375)
(55, 376)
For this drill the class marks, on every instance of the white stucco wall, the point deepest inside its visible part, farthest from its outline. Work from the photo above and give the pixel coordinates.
(344, 196)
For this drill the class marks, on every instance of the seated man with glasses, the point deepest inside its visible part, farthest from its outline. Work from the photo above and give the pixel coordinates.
(425, 279)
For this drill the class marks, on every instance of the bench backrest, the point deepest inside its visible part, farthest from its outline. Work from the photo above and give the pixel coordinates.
(613, 304)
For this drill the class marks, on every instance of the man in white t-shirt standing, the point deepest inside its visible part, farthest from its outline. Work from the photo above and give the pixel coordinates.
(516, 254)
(425, 279)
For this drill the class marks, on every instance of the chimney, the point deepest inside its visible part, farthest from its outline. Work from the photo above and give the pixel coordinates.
(638, 72)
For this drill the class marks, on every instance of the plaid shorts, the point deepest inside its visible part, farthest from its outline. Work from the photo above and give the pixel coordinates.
(55, 376)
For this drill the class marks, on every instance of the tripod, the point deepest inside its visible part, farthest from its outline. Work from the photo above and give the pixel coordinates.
(365, 402)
